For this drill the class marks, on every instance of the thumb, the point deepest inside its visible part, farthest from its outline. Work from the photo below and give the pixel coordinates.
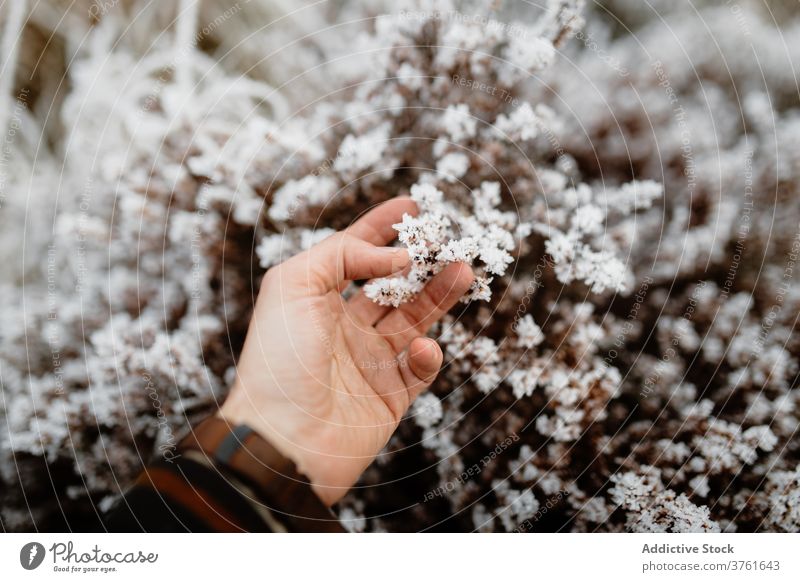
(341, 258)
(424, 362)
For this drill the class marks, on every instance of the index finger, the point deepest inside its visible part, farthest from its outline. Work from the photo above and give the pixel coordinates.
(415, 318)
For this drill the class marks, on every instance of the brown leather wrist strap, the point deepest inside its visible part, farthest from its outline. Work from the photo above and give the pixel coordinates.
(285, 492)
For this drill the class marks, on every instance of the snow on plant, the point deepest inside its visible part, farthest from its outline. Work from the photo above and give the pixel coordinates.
(632, 322)
(434, 239)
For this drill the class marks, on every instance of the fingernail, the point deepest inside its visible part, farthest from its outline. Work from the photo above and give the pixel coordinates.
(426, 347)
(399, 257)
(430, 349)
(394, 251)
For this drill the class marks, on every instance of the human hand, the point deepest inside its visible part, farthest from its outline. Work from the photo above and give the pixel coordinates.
(327, 380)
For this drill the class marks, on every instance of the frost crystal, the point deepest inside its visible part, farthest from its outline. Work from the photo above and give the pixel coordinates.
(427, 410)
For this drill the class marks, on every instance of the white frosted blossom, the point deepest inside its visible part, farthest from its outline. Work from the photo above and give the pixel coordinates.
(452, 166)
(359, 153)
(523, 123)
(427, 410)
(310, 190)
(526, 54)
(529, 334)
(458, 123)
(432, 241)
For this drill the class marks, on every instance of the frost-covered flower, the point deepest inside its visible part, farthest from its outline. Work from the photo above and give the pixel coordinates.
(523, 123)
(427, 410)
(432, 241)
(359, 153)
(529, 334)
(459, 123)
(452, 166)
(309, 190)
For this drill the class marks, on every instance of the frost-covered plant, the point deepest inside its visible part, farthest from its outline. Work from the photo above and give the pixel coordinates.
(627, 358)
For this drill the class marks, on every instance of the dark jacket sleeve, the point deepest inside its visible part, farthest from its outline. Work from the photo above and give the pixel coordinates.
(189, 496)
(224, 479)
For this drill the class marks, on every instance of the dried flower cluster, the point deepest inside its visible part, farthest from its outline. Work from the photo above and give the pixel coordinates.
(627, 358)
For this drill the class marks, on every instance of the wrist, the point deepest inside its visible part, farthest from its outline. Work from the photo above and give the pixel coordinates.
(255, 465)
(292, 440)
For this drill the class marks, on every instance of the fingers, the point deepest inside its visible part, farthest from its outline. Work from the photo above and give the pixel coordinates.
(355, 253)
(415, 318)
(365, 309)
(376, 225)
(424, 359)
(338, 259)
